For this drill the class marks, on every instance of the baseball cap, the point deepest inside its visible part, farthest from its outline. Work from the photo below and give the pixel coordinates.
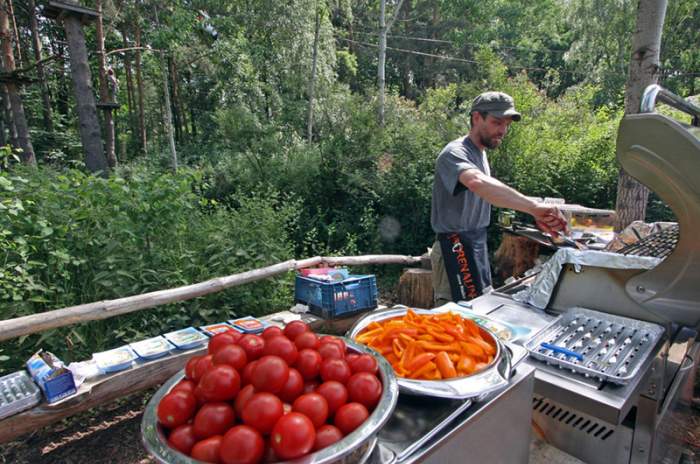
(497, 104)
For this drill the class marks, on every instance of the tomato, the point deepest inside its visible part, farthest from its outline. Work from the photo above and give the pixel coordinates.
(235, 334)
(363, 363)
(293, 388)
(331, 351)
(282, 347)
(213, 419)
(220, 383)
(310, 386)
(349, 357)
(309, 363)
(270, 374)
(242, 398)
(253, 346)
(233, 355)
(262, 411)
(349, 416)
(242, 445)
(294, 328)
(247, 373)
(271, 331)
(176, 408)
(182, 438)
(335, 369)
(313, 406)
(219, 341)
(286, 408)
(184, 385)
(335, 394)
(203, 365)
(207, 450)
(307, 340)
(189, 367)
(331, 339)
(293, 436)
(326, 435)
(364, 388)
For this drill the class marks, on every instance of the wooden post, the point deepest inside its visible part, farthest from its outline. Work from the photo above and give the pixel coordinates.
(415, 288)
(515, 255)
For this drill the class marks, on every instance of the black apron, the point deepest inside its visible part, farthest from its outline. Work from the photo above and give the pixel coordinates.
(466, 260)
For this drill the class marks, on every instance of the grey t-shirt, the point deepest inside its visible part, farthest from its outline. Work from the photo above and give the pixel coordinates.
(454, 207)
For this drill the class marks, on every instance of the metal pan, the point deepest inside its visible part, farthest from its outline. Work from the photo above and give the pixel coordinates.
(493, 377)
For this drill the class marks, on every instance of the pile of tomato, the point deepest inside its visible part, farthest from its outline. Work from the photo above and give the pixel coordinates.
(270, 397)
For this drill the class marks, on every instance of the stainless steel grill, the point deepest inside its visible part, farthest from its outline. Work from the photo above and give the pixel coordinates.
(596, 344)
(658, 245)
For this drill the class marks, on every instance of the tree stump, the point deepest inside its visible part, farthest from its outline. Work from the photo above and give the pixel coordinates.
(515, 255)
(415, 288)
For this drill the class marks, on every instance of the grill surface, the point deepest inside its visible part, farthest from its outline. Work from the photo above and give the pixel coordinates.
(599, 345)
(658, 245)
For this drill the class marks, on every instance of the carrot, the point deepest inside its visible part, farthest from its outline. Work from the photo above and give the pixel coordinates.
(427, 367)
(419, 361)
(445, 365)
(442, 337)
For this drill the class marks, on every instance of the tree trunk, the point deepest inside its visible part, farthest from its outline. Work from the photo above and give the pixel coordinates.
(384, 28)
(18, 117)
(130, 100)
(312, 81)
(415, 288)
(167, 115)
(177, 114)
(644, 70)
(36, 42)
(110, 151)
(7, 115)
(139, 85)
(85, 98)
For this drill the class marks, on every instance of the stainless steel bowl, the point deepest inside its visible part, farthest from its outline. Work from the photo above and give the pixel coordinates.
(493, 377)
(354, 448)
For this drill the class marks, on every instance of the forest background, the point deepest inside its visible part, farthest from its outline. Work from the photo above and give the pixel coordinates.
(280, 152)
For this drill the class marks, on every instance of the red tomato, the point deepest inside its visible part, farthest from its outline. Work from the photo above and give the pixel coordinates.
(294, 328)
(335, 369)
(293, 436)
(253, 346)
(176, 408)
(326, 435)
(313, 406)
(309, 363)
(364, 388)
(182, 438)
(203, 365)
(270, 374)
(282, 347)
(271, 331)
(235, 334)
(220, 383)
(213, 419)
(350, 356)
(219, 341)
(207, 450)
(233, 355)
(293, 388)
(189, 367)
(335, 394)
(262, 411)
(363, 363)
(242, 445)
(310, 386)
(307, 340)
(349, 416)
(184, 385)
(331, 339)
(242, 398)
(331, 351)
(247, 372)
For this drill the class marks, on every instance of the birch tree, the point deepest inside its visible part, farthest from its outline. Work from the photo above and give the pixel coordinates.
(384, 28)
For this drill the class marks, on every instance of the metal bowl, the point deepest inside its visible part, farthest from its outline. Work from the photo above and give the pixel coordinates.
(474, 386)
(354, 448)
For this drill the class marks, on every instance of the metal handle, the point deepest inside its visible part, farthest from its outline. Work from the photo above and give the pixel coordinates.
(654, 93)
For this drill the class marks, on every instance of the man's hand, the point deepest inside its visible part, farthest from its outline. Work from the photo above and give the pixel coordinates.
(549, 219)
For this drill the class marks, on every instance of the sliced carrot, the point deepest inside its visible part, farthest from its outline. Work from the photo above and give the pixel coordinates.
(419, 361)
(445, 365)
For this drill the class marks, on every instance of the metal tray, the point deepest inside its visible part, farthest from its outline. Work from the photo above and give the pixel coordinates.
(17, 393)
(354, 448)
(595, 344)
(493, 377)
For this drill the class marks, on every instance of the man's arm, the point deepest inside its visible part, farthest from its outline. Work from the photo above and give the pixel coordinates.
(497, 193)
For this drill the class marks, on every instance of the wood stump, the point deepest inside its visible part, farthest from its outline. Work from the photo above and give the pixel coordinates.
(515, 255)
(415, 288)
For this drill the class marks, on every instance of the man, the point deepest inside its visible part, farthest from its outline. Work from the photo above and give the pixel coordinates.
(463, 192)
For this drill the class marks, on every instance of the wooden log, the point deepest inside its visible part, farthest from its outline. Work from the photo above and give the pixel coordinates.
(40, 322)
(415, 288)
(515, 255)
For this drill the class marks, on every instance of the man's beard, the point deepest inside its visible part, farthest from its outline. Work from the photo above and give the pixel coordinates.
(490, 142)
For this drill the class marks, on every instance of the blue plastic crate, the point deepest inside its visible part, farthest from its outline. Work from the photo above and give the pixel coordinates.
(335, 299)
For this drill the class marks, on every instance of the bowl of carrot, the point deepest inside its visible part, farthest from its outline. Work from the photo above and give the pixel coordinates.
(436, 352)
